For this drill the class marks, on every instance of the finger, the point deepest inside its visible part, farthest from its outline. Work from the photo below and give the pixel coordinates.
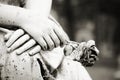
(7, 36)
(42, 43)
(61, 36)
(19, 42)
(64, 33)
(26, 46)
(14, 37)
(55, 38)
(5, 30)
(61, 29)
(66, 36)
(49, 42)
(35, 50)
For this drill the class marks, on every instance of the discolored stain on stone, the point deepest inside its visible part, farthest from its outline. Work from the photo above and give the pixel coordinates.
(12, 60)
(1, 66)
(7, 77)
(21, 74)
(23, 68)
(68, 63)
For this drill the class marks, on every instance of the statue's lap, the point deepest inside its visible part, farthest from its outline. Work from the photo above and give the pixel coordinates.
(14, 67)
(25, 67)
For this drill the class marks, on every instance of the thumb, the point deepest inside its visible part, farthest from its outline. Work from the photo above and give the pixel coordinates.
(7, 32)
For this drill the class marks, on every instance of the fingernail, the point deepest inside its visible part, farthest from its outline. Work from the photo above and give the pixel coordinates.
(66, 41)
(9, 50)
(30, 53)
(50, 48)
(6, 45)
(44, 48)
(17, 52)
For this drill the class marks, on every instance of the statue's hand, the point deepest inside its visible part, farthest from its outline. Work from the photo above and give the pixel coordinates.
(20, 42)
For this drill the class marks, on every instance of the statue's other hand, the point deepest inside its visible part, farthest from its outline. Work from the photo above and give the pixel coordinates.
(20, 42)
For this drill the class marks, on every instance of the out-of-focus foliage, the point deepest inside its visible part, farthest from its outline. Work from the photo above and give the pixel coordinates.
(93, 19)
(102, 15)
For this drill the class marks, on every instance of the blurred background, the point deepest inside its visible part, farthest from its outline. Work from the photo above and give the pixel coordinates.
(94, 19)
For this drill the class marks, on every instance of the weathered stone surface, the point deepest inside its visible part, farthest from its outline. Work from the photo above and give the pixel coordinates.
(14, 67)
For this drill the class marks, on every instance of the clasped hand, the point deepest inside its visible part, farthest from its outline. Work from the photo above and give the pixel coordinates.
(45, 35)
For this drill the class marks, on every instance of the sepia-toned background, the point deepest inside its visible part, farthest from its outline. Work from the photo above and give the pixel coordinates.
(94, 19)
